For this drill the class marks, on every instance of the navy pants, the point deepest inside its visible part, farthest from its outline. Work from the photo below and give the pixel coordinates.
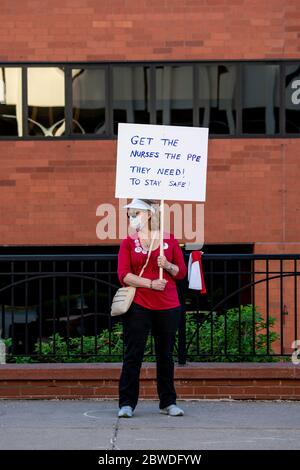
(137, 323)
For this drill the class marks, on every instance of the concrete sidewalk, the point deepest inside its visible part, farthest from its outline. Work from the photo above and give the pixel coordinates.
(92, 424)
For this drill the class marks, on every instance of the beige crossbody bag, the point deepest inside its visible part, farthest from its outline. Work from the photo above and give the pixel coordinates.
(124, 296)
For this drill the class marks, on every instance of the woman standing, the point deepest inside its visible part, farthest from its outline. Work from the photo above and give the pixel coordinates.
(155, 306)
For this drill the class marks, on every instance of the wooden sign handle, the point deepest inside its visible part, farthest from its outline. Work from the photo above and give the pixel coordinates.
(161, 235)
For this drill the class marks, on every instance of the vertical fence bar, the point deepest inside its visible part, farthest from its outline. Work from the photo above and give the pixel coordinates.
(239, 304)
(182, 346)
(3, 335)
(211, 307)
(253, 309)
(281, 311)
(225, 307)
(109, 304)
(295, 300)
(198, 325)
(40, 308)
(68, 308)
(96, 306)
(268, 306)
(182, 337)
(54, 308)
(12, 277)
(26, 308)
(81, 309)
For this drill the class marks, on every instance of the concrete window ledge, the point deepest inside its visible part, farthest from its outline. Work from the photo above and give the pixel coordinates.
(265, 381)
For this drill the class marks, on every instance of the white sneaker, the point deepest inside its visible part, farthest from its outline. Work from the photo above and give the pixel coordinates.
(172, 410)
(125, 412)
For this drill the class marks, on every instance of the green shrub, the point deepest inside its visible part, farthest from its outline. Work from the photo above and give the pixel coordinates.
(108, 347)
(212, 344)
(101, 348)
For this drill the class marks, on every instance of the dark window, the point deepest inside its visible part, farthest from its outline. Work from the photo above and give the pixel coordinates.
(260, 99)
(174, 95)
(88, 91)
(11, 101)
(292, 98)
(217, 102)
(234, 99)
(46, 101)
(131, 95)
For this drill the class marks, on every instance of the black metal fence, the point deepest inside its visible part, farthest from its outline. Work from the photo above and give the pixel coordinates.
(56, 308)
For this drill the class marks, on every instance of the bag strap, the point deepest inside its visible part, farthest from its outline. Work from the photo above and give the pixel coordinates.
(149, 252)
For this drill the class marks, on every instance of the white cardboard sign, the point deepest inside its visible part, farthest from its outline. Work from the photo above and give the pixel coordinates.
(161, 162)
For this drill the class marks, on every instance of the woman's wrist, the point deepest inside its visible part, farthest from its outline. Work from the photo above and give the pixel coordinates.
(170, 267)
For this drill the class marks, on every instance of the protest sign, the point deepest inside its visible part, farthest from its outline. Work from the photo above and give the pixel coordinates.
(161, 162)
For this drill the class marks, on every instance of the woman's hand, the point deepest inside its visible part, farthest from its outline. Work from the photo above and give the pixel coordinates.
(159, 284)
(163, 262)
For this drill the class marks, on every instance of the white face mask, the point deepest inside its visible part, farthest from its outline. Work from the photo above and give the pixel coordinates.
(136, 222)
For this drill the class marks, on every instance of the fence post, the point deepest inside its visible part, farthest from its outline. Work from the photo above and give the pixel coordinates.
(2, 352)
(182, 338)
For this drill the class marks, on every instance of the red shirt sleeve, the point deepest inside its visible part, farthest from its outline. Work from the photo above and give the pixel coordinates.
(124, 261)
(178, 259)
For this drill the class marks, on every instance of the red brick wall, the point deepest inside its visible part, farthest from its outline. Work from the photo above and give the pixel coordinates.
(197, 380)
(148, 29)
(50, 192)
